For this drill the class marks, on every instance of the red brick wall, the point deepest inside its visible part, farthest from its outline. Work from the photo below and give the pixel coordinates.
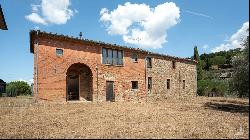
(52, 70)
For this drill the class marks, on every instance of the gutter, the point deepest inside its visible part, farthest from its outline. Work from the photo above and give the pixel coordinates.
(37, 45)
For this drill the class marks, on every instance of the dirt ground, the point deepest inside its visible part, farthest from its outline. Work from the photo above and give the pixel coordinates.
(198, 117)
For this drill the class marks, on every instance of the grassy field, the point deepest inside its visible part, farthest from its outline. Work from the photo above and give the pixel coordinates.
(199, 117)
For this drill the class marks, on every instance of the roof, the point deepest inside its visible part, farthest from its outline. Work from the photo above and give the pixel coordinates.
(2, 20)
(36, 34)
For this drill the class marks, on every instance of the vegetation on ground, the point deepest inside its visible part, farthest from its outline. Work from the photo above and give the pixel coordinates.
(17, 88)
(209, 83)
(189, 118)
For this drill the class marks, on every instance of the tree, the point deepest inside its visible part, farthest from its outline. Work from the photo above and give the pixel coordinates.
(199, 65)
(240, 78)
(218, 60)
(196, 54)
(17, 88)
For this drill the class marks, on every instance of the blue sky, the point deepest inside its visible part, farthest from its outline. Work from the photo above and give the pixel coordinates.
(178, 26)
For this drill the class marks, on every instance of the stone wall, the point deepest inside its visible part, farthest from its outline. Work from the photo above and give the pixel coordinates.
(52, 71)
(162, 69)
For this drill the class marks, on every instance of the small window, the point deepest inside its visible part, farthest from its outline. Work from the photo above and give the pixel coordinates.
(149, 83)
(168, 83)
(149, 62)
(184, 84)
(134, 84)
(173, 64)
(59, 52)
(134, 58)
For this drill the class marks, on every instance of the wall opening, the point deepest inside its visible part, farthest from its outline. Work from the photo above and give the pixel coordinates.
(79, 83)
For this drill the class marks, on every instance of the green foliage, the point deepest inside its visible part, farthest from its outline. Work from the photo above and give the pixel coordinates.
(218, 60)
(200, 73)
(240, 79)
(18, 88)
(217, 87)
(222, 57)
(196, 54)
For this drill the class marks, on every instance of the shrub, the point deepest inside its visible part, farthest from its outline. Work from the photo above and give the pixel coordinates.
(18, 88)
(215, 87)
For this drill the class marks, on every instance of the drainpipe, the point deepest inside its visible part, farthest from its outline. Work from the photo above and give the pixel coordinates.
(97, 81)
(146, 76)
(37, 45)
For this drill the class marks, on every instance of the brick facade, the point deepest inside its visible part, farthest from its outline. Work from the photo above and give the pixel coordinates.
(53, 70)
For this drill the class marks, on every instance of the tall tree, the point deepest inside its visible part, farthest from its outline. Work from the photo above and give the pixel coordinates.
(196, 54)
(240, 79)
(199, 66)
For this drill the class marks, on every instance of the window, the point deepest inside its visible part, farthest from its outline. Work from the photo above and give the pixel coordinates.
(109, 60)
(115, 57)
(112, 56)
(104, 56)
(149, 82)
(134, 84)
(134, 57)
(59, 52)
(184, 84)
(173, 64)
(120, 58)
(149, 62)
(168, 83)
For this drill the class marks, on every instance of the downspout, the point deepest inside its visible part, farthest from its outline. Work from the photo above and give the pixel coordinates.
(97, 81)
(37, 45)
(196, 78)
(146, 76)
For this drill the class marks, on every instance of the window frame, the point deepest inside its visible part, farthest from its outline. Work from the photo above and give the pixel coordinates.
(134, 58)
(108, 58)
(168, 83)
(183, 84)
(173, 64)
(150, 84)
(58, 54)
(136, 85)
(149, 62)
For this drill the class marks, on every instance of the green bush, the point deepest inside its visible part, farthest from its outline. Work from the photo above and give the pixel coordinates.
(18, 88)
(217, 87)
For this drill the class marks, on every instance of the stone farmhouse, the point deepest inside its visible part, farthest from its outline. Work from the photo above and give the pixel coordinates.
(68, 68)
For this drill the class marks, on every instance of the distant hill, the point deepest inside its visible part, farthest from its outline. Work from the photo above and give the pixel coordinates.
(218, 60)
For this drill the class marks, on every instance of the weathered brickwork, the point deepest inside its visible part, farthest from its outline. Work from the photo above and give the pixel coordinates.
(53, 70)
(162, 70)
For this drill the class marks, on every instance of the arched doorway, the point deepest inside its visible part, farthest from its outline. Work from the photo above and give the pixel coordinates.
(79, 82)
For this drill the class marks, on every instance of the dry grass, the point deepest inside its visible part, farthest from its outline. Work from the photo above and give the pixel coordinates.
(198, 117)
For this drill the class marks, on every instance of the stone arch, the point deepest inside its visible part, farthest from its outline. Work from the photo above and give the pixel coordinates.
(79, 82)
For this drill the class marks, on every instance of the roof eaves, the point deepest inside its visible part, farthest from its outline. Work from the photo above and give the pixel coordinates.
(75, 39)
(3, 19)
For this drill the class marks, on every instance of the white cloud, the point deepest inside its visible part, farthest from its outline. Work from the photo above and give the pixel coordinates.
(51, 12)
(141, 25)
(34, 17)
(205, 46)
(235, 40)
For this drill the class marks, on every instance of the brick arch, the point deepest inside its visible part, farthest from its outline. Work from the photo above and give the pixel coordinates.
(82, 61)
(79, 82)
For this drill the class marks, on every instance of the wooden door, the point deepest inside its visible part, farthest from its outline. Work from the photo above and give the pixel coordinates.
(110, 96)
(73, 87)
